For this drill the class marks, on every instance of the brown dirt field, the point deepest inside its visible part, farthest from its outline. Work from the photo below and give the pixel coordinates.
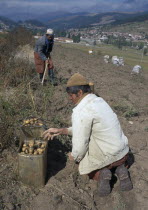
(65, 190)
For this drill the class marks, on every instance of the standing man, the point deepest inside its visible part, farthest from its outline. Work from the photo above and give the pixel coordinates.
(98, 142)
(43, 48)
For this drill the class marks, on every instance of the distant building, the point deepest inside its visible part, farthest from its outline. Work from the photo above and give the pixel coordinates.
(37, 37)
(103, 38)
(63, 39)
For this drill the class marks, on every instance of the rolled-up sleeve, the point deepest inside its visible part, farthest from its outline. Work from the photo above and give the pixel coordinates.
(70, 131)
(81, 130)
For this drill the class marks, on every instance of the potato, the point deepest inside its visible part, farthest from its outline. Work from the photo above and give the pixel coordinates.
(42, 146)
(39, 144)
(35, 152)
(26, 151)
(40, 124)
(31, 143)
(27, 121)
(31, 149)
(38, 150)
(23, 149)
(41, 151)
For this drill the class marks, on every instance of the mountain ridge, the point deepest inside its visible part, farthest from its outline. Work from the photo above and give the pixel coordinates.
(80, 20)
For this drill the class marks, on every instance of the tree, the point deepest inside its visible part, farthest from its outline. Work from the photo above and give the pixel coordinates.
(145, 50)
(60, 33)
(69, 36)
(146, 36)
(94, 43)
(76, 39)
(141, 45)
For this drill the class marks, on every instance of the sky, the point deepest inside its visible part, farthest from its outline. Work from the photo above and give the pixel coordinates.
(39, 7)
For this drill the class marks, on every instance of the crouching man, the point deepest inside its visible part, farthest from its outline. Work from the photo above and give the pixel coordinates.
(98, 142)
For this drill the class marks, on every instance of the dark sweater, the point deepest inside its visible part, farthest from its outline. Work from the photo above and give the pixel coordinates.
(43, 47)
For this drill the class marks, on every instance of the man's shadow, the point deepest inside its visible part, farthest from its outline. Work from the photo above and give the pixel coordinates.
(56, 157)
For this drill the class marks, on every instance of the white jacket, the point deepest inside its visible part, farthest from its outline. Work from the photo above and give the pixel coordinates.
(97, 138)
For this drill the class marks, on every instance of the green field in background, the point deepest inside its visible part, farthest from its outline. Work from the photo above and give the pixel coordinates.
(131, 57)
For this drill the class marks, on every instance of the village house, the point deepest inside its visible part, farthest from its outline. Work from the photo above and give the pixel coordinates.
(63, 39)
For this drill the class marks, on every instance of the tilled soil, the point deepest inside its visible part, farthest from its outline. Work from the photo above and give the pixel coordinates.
(65, 188)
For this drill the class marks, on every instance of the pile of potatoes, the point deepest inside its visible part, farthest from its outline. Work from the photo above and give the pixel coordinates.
(32, 148)
(33, 122)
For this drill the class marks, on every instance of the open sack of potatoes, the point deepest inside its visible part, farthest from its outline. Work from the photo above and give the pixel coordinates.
(33, 128)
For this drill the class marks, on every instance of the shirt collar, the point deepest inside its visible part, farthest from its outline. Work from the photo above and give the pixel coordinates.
(85, 94)
(84, 101)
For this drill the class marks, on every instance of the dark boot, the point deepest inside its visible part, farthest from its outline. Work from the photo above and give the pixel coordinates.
(123, 175)
(41, 76)
(104, 187)
(51, 76)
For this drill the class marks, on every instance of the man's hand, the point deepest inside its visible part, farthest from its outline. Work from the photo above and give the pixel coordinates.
(70, 156)
(47, 61)
(52, 132)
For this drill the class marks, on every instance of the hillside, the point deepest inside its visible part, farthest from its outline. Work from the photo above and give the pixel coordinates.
(64, 21)
(6, 23)
(130, 27)
(45, 18)
(22, 95)
(88, 20)
(34, 23)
